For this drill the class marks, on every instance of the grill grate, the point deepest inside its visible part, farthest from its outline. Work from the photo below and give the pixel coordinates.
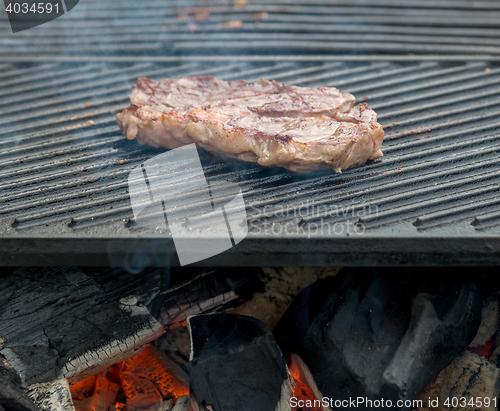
(158, 28)
(432, 199)
(429, 68)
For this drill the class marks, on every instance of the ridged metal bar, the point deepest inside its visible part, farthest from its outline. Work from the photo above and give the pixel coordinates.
(408, 211)
(326, 46)
(485, 221)
(463, 210)
(152, 40)
(440, 166)
(157, 29)
(460, 34)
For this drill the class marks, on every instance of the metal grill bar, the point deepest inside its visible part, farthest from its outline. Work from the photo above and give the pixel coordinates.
(338, 46)
(442, 217)
(153, 32)
(217, 39)
(164, 28)
(71, 201)
(432, 198)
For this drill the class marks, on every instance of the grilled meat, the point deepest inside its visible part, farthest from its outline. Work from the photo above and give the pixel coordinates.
(274, 124)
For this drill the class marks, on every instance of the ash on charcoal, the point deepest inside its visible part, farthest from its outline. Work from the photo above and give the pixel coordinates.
(489, 323)
(380, 333)
(55, 396)
(469, 376)
(236, 364)
(162, 405)
(183, 404)
(281, 286)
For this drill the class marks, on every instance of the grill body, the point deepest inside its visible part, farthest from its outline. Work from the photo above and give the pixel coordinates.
(431, 200)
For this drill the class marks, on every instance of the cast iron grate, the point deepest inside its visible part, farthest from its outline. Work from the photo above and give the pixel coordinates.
(64, 166)
(158, 28)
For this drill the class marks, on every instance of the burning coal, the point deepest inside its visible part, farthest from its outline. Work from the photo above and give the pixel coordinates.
(137, 383)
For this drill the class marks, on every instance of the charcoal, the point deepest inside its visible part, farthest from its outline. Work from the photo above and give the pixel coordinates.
(81, 320)
(13, 393)
(469, 376)
(236, 365)
(380, 333)
(52, 396)
(183, 403)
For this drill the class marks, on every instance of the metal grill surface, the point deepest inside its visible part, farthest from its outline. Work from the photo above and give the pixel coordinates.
(432, 199)
(112, 29)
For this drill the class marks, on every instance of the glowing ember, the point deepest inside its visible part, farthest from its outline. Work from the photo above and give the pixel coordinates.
(484, 350)
(96, 393)
(145, 380)
(134, 384)
(302, 391)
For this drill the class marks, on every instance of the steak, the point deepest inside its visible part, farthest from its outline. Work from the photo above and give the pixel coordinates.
(274, 124)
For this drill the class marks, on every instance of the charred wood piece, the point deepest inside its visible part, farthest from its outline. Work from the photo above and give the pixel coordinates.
(468, 377)
(162, 405)
(13, 393)
(236, 364)
(55, 396)
(378, 333)
(71, 323)
(183, 404)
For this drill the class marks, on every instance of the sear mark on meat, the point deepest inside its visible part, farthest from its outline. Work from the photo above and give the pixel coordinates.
(274, 124)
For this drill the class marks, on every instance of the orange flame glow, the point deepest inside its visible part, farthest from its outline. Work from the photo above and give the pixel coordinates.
(302, 391)
(134, 384)
(145, 380)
